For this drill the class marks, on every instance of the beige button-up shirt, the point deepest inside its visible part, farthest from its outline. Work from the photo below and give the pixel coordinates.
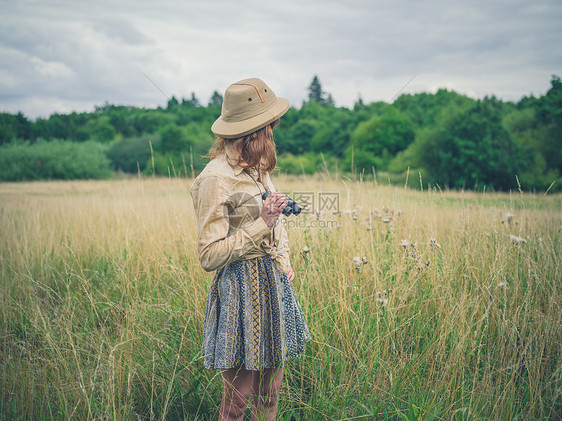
(228, 204)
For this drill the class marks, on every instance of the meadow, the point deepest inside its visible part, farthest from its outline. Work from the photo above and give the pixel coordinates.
(422, 304)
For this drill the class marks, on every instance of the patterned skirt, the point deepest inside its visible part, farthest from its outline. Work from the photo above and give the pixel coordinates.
(252, 317)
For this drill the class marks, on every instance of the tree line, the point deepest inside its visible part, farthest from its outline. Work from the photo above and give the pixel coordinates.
(452, 140)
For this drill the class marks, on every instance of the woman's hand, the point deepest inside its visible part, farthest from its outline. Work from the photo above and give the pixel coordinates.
(273, 205)
(290, 273)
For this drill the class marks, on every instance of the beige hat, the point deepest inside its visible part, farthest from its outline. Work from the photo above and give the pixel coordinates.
(248, 106)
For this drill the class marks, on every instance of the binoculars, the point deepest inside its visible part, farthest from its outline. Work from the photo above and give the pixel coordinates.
(291, 207)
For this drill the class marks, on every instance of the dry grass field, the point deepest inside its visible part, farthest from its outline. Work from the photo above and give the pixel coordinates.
(422, 305)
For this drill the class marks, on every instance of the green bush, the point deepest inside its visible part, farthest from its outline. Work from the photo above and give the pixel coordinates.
(307, 163)
(468, 148)
(376, 141)
(55, 159)
(125, 154)
(172, 139)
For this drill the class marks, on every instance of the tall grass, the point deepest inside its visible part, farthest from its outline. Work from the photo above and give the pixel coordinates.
(103, 301)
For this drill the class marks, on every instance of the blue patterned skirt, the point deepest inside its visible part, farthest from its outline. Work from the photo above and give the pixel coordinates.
(252, 317)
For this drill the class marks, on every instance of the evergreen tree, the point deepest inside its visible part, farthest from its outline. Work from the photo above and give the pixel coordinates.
(194, 100)
(317, 94)
(315, 91)
(216, 99)
(172, 104)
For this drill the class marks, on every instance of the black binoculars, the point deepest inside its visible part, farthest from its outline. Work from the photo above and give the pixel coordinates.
(291, 207)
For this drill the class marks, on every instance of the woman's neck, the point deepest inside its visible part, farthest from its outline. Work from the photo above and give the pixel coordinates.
(254, 171)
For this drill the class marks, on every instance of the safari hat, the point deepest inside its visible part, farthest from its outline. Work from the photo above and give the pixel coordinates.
(248, 106)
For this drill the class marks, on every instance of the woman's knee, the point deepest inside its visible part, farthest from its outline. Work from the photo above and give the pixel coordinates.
(269, 386)
(235, 400)
(269, 400)
(237, 388)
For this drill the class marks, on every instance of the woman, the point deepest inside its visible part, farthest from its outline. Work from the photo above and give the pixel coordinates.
(253, 320)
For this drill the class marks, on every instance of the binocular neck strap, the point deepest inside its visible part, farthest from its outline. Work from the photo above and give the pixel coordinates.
(266, 189)
(259, 188)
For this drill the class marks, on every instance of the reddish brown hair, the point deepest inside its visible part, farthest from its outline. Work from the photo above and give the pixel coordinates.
(253, 149)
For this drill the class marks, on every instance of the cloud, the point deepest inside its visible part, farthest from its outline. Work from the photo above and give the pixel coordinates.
(58, 55)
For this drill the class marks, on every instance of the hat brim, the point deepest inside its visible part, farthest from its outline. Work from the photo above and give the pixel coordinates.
(235, 129)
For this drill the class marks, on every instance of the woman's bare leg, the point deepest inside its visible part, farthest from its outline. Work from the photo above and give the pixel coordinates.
(236, 390)
(265, 390)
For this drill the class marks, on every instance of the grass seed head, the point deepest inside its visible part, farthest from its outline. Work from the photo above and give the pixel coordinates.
(516, 240)
(433, 243)
(382, 301)
(376, 213)
(358, 262)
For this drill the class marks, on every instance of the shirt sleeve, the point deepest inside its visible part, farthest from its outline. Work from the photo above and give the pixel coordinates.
(283, 244)
(215, 249)
(280, 232)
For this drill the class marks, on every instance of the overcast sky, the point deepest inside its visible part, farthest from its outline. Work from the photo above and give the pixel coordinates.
(63, 56)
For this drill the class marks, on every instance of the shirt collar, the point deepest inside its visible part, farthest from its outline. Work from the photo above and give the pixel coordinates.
(231, 158)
